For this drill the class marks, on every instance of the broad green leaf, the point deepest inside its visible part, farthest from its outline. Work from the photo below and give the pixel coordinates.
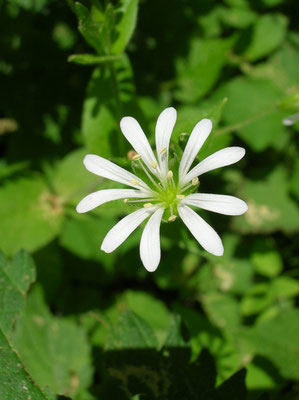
(127, 15)
(277, 340)
(71, 180)
(199, 72)
(238, 17)
(110, 88)
(83, 235)
(132, 332)
(30, 215)
(252, 114)
(16, 276)
(270, 207)
(54, 350)
(15, 382)
(266, 259)
(177, 333)
(267, 34)
(284, 286)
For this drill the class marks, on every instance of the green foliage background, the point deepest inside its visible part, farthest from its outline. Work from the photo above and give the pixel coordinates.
(79, 324)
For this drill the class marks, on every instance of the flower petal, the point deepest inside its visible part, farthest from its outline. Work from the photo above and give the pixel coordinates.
(164, 128)
(290, 120)
(221, 158)
(119, 233)
(201, 230)
(197, 138)
(100, 197)
(222, 204)
(150, 251)
(135, 135)
(107, 169)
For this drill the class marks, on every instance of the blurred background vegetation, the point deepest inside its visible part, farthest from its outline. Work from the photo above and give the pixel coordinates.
(87, 325)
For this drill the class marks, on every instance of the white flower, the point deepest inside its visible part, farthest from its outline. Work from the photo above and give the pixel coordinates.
(163, 192)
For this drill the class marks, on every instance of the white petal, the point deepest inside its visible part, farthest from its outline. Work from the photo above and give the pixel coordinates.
(135, 135)
(221, 158)
(197, 138)
(164, 128)
(107, 169)
(222, 204)
(100, 197)
(119, 233)
(150, 251)
(291, 119)
(201, 230)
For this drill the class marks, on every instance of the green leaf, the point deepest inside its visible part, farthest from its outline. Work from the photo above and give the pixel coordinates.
(127, 14)
(83, 236)
(284, 286)
(15, 382)
(91, 59)
(110, 88)
(15, 278)
(54, 350)
(238, 17)
(132, 332)
(277, 339)
(268, 33)
(70, 179)
(30, 215)
(251, 112)
(197, 74)
(270, 207)
(177, 333)
(266, 259)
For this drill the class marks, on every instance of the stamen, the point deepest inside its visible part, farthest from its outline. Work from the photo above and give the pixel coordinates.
(195, 181)
(134, 182)
(147, 205)
(125, 200)
(169, 174)
(136, 157)
(172, 218)
(154, 164)
(180, 196)
(163, 150)
(148, 174)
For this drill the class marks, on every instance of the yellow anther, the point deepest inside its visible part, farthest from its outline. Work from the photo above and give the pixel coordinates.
(172, 218)
(154, 164)
(169, 174)
(134, 182)
(125, 200)
(147, 205)
(195, 181)
(131, 154)
(162, 151)
(136, 157)
(180, 197)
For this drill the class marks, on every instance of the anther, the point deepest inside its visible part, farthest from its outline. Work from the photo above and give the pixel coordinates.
(131, 154)
(154, 164)
(125, 200)
(172, 218)
(163, 150)
(134, 182)
(147, 205)
(136, 157)
(169, 174)
(180, 197)
(195, 181)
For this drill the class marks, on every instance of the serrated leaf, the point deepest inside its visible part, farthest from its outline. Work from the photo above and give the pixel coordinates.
(30, 215)
(54, 350)
(15, 278)
(277, 339)
(15, 382)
